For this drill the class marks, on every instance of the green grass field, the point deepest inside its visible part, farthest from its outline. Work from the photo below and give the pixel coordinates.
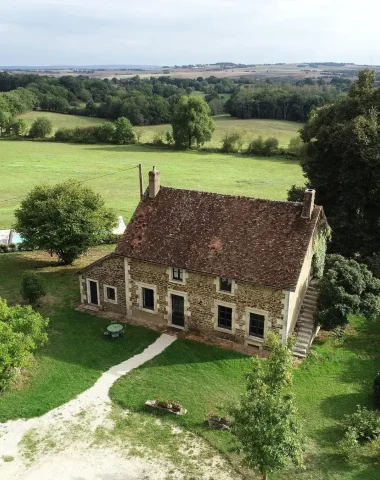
(62, 121)
(76, 354)
(328, 385)
(25, 164)
(250, 129)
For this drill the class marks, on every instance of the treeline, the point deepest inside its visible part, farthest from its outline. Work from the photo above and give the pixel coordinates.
(285, 102)
(152, 100)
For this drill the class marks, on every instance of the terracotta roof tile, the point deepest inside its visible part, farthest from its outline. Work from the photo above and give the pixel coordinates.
(263, 242)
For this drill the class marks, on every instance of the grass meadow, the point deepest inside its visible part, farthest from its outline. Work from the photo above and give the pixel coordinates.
(108, 169)
(250, 128)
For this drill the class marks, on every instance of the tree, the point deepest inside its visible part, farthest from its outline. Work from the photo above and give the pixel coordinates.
(41, 128)
(105, 133)
(22, 331)
(5, 120)
(124, 131)
(19, 128)
(347, 287)
(66, 219)
(32, 288)
(191, 122)
(265, 422)
(342, 163)
(296, 194)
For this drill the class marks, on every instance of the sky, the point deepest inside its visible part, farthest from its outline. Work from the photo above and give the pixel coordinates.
(169, 32)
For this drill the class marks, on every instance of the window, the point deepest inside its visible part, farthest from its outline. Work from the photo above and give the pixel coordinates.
(225, 284)
(224, 317)
(111, 293)
(256, 325)
(177, 274)
(148, 298)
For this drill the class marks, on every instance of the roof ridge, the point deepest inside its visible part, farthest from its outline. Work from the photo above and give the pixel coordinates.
(229, 195)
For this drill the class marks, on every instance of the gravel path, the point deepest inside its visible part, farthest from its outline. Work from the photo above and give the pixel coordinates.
(95, 400)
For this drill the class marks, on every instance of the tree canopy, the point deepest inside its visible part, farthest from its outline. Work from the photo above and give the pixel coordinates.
(342, 163)
(265, 421)
(191, 122)
(347, 287)
(22, 331)
(65, 219)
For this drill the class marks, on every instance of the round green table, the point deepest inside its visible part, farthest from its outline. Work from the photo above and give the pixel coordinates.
(115, 327)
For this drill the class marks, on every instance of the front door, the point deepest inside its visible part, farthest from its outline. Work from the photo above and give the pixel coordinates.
(94, 299)
(178, 311)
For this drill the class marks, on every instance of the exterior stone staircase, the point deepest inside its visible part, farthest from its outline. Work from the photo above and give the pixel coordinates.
(306, 330)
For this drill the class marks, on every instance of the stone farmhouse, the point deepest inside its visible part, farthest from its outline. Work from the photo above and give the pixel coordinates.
(223, 267)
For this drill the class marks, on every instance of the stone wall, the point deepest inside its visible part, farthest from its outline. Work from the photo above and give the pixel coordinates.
(201, 301)
(109, 271)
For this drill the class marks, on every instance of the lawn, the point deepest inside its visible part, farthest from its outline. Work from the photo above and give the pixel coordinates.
(107, 169)
(77, 353)
(333, 380)
(60, 120)
(251, 128)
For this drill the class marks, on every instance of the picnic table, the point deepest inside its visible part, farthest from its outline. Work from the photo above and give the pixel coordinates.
(115, 328)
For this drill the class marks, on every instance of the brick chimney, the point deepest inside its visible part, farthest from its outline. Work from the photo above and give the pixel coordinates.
(154, 183)
(308, 203)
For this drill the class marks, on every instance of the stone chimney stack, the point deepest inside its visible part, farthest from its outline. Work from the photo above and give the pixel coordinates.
(154, 183)
(308, 203)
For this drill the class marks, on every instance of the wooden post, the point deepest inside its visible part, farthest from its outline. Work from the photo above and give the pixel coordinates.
(141, 181)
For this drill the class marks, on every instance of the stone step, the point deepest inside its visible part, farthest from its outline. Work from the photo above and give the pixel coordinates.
(305, 331)
(303, 337)
(299, 352)
(310, 301)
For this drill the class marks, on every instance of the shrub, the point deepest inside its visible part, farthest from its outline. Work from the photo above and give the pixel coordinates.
(105, 133)
(32, 288)
(256, 147)
(231, 142)
(22, 331)
(158, 139)
(19, 128)
(364, 423)
(347, 287)
(266, 148)
(296, 194)
(169, 137)
(348, 446)
(4, 248)
(271, 145)
(41, 128)
(124, 133)
(376, 391)
(296, 147)
(63, 135)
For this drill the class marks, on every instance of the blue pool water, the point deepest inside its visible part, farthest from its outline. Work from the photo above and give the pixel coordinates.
(17, 238)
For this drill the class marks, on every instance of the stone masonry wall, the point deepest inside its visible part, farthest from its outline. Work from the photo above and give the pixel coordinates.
(202, 299)
(110, 272)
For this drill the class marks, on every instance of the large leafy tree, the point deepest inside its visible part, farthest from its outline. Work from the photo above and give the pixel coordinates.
(265, 422)
(342, 162)
(66, 219)
(41, 128)
(22, 331)
(191, 122)
(347, 287)
(123, 134)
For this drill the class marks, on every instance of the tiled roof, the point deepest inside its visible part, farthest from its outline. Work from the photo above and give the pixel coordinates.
(262, 242)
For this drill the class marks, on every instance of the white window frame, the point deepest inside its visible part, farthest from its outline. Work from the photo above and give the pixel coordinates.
(265, 314)
(88, 280)
(106, 299)
(169, 307)
(224, 292)
(173, 280)
(139, 292)
(216, 311)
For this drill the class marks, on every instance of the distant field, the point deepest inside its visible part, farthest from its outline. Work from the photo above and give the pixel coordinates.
(25, 164)
(60, 120)
(252, 128)
(280, 129)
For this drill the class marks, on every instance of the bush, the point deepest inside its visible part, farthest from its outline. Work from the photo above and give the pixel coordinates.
(41, 128)
(296, 194)
(232, 142)
(256, 147)
(376, 391)
(22, 331)
(158, 139)
(32, 288)
(349, 444)
(124, 133)
(105, 133)
(271, 145)
(64, 135)
(266, 148)
(347, 287)
(4, 248)
(169, 137)
(296, 147)
(364, 423)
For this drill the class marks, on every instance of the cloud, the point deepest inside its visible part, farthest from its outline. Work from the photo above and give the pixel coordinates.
(42, 32)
